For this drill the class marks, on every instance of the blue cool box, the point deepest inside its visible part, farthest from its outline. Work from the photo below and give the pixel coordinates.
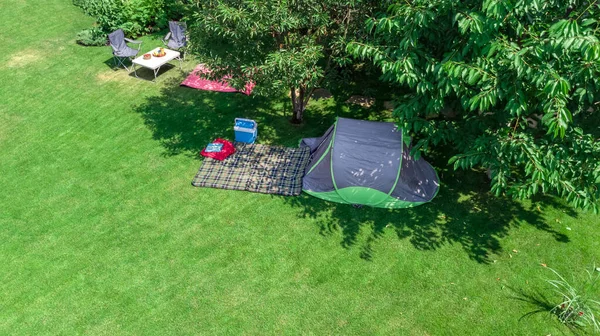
(246, 130)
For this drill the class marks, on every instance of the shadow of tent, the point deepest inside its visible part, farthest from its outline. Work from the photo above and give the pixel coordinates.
(463, 213)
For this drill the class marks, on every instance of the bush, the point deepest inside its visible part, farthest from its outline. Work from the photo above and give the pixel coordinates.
(135, 17)
(91, 37)
(577, 306)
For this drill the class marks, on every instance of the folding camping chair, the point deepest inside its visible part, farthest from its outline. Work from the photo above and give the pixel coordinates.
(121, 51)
(176, 38)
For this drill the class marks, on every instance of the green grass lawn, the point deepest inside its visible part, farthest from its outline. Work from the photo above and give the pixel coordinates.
(102, 232)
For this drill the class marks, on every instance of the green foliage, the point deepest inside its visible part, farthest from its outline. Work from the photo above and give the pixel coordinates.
(577, 307)
(91, 37)
(289, 45)
(135, 17)
(507, 84)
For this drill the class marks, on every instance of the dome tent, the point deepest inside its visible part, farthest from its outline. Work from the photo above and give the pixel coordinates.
(367, 162)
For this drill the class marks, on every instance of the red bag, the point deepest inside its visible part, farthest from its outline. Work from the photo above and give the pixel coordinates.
(225, 151)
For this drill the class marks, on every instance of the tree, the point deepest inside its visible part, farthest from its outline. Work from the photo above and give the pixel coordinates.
(513, 86)
(284, 44)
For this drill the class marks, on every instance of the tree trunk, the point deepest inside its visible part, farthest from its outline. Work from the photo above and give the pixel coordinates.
(298, 104)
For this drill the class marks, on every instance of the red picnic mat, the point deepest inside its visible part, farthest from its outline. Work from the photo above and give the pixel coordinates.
(195, 80)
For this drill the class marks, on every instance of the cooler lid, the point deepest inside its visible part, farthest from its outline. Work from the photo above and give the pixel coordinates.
(245, 123)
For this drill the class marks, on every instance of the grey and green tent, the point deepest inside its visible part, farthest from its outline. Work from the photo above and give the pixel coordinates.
(368, 163)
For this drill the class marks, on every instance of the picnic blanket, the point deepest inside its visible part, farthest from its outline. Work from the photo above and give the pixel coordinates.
(196, 80)
(256, 168)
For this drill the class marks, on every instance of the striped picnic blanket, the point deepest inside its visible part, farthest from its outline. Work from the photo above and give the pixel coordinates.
(256, 168)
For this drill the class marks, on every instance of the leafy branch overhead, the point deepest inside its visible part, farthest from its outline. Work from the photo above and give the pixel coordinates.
(512, 87)
(289, 45)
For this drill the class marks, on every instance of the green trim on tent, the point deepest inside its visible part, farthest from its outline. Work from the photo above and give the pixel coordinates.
(363, 195)
(386, 202)
(331, 196)
(331, 161)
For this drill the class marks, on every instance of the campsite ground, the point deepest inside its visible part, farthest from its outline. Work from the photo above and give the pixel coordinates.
(102, 233)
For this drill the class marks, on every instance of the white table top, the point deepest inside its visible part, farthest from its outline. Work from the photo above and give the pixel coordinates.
(156, 62)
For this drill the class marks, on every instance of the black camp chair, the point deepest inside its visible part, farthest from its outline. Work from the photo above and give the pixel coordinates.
(176, 39)
(121, 51)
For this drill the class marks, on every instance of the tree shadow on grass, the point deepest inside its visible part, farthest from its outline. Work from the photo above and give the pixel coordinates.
(184, 120)
(462, 213)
